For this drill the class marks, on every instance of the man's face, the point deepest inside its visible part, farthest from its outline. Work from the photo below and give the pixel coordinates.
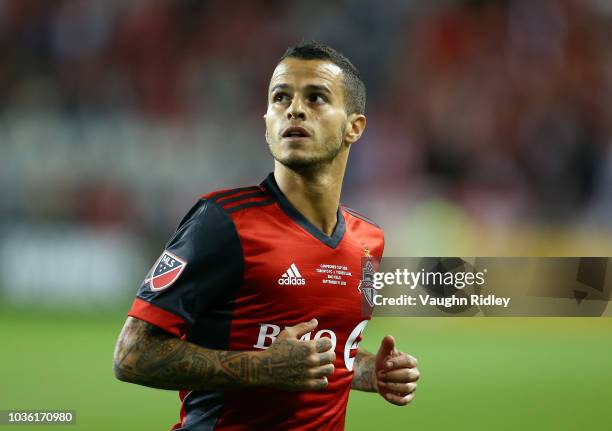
(306, 118)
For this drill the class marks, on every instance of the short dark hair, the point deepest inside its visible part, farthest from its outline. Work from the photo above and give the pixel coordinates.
(354, 88)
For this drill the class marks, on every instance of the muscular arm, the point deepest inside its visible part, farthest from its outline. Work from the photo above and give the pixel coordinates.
(363, 371)
(147, 355)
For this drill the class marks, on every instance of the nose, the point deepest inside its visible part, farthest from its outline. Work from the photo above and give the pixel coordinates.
(296, 110)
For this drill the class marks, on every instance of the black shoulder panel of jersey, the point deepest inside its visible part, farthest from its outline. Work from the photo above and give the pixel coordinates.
(245, 197)
(210, 268)
(207, 241)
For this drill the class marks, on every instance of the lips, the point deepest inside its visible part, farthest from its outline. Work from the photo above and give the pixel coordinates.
(295, 132)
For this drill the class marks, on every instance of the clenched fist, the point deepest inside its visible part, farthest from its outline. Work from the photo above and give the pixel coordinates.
(294, 365)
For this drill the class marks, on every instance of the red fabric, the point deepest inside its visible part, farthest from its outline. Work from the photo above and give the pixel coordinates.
(162, 281)
(275, 247)
(272, 242)
(159, 317)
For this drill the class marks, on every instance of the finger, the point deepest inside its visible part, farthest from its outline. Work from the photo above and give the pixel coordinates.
(387, 345)
(322, 371)
(398, 388)
(403, 375)
(323, 344)
(301, 328)
(399, 400)
(326, 358)
(317, 384)
(402, 360)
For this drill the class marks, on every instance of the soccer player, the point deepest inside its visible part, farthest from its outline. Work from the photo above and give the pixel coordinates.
(253, 309)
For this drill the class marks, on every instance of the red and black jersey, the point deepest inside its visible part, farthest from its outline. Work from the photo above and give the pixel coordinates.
(242, 265)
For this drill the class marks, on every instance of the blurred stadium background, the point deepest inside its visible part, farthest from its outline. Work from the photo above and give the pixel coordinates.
(489, 134)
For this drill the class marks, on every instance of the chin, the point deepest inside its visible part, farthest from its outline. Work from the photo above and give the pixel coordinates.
(298, 158)
(297, 161)
(303, 163)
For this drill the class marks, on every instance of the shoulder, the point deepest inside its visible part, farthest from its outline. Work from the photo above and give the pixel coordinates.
(209, 227)
(214, 215)
(364, 230)
(355, 215)
(231, 201)
(211, 217)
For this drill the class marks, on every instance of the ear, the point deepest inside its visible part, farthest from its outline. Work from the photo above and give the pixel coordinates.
(356, 126)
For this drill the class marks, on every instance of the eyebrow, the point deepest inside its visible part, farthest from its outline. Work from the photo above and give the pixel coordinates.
(310, 87)
(279, 87)
(321, 88)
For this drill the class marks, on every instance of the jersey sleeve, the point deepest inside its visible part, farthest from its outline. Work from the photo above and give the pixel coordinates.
(202, 259)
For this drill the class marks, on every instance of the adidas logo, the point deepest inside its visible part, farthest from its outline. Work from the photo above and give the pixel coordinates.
(292, 276)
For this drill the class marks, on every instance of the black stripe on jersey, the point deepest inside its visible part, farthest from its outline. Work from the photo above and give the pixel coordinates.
(255, 194)
(216, 196)
(250, 204)
(359, 216)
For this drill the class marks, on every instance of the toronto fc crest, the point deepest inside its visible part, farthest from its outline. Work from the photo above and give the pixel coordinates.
(366, 284)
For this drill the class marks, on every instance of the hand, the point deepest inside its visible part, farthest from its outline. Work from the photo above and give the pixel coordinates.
(395, 373)
(294, 365)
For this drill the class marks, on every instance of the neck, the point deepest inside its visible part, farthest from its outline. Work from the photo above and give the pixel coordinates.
(315, 194)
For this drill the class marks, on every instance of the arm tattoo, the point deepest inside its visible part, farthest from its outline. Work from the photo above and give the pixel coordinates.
(286, 365)
(363, 370)
(149, 356)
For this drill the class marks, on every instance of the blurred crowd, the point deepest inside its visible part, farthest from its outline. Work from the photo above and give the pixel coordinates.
(119, 114)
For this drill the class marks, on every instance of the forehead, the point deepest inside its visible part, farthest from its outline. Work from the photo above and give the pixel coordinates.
(298, 72)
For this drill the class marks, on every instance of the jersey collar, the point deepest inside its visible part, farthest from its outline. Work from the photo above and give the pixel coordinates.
(332, 241)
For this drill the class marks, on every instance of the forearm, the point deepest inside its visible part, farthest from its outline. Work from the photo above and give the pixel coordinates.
(148, 356)
(363, 371)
